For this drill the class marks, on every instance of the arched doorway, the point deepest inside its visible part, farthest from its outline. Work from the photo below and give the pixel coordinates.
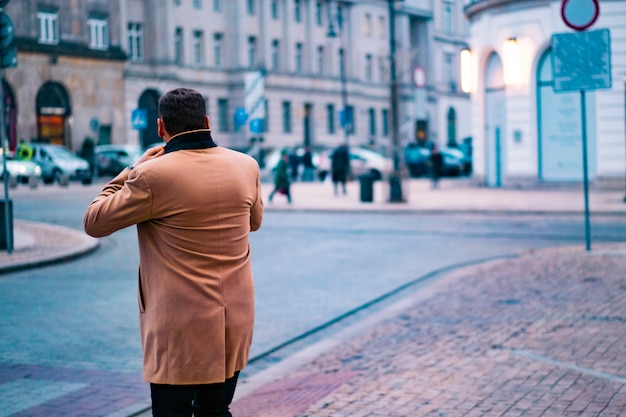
(495, 122)
(10, 115)
(559, 136)
(149, 100)
(451, 125)
(53, 109)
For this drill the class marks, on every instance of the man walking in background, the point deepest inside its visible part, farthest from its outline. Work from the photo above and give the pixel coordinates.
(194, 204)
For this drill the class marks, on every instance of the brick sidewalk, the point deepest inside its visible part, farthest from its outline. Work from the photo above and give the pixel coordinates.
(539, 335)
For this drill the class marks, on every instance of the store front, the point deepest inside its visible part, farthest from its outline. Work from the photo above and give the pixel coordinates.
(53, 110)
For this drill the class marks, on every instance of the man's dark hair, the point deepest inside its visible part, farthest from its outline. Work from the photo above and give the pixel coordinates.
(182, 110)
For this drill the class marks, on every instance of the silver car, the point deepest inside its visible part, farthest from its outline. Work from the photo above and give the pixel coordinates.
(21, 172)
(60, 164)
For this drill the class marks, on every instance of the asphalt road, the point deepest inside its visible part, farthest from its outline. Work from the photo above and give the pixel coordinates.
(310, 269)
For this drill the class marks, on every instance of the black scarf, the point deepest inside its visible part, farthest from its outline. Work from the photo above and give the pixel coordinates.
(196, 139)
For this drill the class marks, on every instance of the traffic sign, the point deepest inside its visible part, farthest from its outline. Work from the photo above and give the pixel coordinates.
(419, 77)
(581, 60)
(240, 116)
(580, 14)
(139, 119)
(256, 125)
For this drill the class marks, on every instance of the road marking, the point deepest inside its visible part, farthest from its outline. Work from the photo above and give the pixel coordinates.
(550, 361)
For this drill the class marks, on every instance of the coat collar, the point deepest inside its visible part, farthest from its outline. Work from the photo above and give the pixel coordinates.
(194, 139)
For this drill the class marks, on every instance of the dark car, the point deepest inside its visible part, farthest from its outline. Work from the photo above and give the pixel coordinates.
(111, 159)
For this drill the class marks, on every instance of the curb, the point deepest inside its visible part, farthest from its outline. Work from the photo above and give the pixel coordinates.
(46, 247)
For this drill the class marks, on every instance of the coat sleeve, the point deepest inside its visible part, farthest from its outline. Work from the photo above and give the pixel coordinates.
(256, 211)
(126, 200)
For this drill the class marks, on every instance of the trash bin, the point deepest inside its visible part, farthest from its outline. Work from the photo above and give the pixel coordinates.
(366, 181)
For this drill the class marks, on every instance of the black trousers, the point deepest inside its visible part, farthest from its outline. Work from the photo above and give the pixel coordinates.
(206, 400)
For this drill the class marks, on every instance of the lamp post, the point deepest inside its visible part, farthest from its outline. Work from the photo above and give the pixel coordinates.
(346, 119)
(395, 183)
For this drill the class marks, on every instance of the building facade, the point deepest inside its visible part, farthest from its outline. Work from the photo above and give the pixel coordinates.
(68, 84)
(278, 70)
(523, 130)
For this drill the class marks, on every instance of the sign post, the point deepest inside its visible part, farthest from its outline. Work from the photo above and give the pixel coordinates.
(581, 61)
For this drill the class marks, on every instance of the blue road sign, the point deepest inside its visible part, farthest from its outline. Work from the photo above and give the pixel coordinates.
(581, 60)
(139, 119)
(240, 116)
(256, 125)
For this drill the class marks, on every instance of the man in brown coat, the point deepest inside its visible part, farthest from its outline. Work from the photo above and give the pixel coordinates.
(194, 204)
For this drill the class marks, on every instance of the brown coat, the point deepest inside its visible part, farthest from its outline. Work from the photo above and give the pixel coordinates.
(193, 210)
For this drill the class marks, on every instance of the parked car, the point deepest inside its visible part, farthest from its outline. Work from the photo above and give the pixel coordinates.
(60, 164)
(362, 161)
(417, 160)
(21, 172)
(111, 159)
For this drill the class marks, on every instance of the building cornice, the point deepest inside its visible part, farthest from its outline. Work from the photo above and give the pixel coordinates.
(476, 7)
(69, 49)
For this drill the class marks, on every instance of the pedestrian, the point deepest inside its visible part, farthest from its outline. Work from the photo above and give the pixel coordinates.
(24, 151)
(340, 166)
(194, 204)
(436, 166)
(308, 172)
(282, 183)
(294, 164)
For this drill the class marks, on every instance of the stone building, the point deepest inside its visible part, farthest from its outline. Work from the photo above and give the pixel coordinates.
(69, 81)
(269, 69)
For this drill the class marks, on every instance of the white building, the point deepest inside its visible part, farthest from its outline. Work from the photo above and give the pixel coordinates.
(523, 130)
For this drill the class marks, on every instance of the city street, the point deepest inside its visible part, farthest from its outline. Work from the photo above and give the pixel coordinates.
(79, 319)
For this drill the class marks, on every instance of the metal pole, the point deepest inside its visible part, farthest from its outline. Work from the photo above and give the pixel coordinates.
(585, 168)
(395, 184)
(344, 96)
(8, 223)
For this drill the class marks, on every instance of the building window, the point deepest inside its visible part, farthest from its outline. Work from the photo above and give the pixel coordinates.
(297, 11)
(298, 57)
(274, 9)
(218, 50)
(330, 117)
(286, 117)
(135, 41)
(367, 25)
(98, 33)
(351, 119)
(382, 26)
(251, 52)
(447, 17)
(385, 121)
(448, 71)
(342, 63)
(276, 55)
(177, 2)
(178, 46)
(368, 68)
(197, 4)
(222, 115)
(340, 17)
(251, 7)
(319, 14)
(320, 60)
(48, 27)
(206, 105)
(198, 48)
(217, 5)
(372, 121)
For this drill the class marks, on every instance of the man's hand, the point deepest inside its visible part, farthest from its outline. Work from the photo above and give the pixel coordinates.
(151, 153)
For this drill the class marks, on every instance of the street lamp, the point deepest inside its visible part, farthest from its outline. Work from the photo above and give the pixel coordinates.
(346, 113)
(395, 183)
